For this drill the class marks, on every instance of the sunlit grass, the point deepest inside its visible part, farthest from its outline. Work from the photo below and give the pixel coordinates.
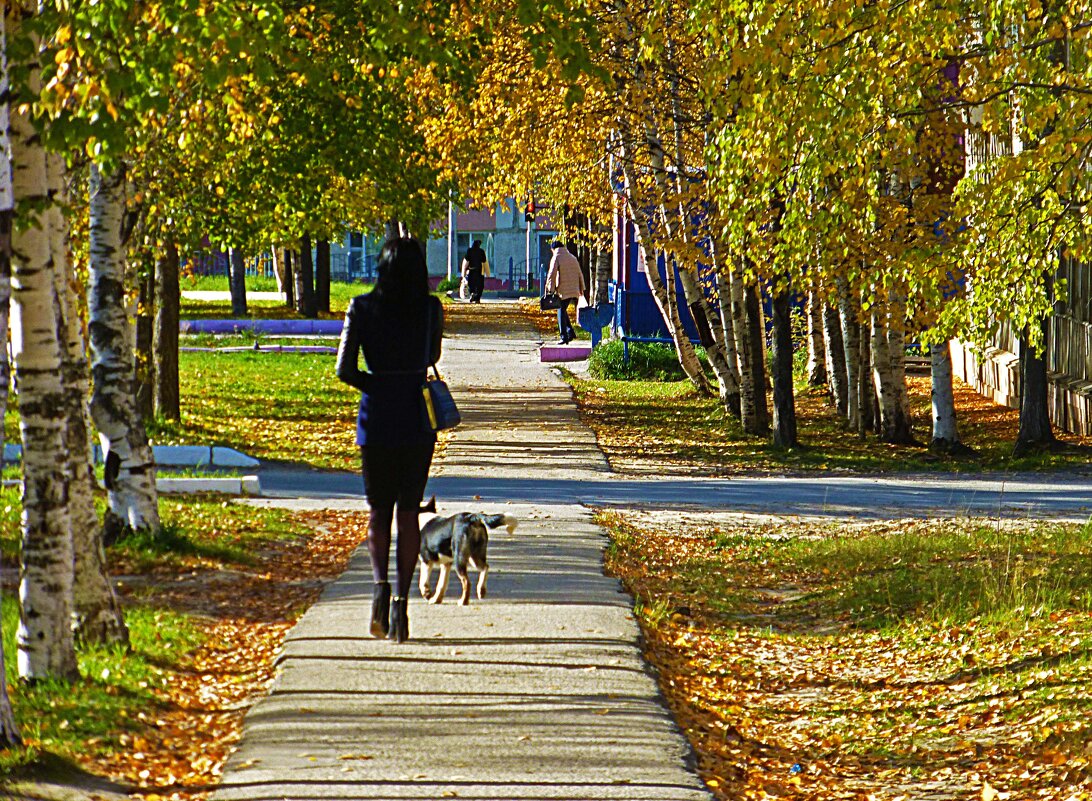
(341, 293)
(285, 406)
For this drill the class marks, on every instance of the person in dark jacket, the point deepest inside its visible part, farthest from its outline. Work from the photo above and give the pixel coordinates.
(474, 269)
(397, 328)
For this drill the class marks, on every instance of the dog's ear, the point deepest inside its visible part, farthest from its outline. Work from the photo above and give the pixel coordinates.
(428, 507)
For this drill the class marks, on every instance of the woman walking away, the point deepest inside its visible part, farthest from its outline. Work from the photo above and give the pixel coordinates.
(566, 279)
(397, 327)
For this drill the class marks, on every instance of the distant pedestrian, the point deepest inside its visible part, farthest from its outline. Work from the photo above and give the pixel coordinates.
(397, 327)
(566, 279)
(475, 268)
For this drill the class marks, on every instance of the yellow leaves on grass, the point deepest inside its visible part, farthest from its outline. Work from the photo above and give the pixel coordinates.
(779, 701)
(181, 748)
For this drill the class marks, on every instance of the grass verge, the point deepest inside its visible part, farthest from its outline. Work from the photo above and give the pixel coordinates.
(341, 293)
(281, 406)
(668, 428)
(903, 659)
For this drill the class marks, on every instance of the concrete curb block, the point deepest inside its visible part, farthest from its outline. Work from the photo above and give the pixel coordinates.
(238, 485)
(172, 456)
(564, 353)
(265, 349)
(268, 327)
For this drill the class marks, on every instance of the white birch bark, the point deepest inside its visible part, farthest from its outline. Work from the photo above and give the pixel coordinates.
(749, 389)
(9, 732)
(97, 615)
(278, 266)
(848, 310)
(817, 359)
(881, 373)
(727, 321)
(889, 374)
(44, 640)
(902, 424)
(130, 471)
(945, 432)
(835, 358)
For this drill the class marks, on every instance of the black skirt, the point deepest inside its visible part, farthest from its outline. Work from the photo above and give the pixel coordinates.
(396, 474)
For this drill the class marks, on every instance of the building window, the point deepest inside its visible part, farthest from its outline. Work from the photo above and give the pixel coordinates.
(356, 239)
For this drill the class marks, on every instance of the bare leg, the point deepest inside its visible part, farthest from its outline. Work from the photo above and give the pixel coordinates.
(409, 549)
(379, 540)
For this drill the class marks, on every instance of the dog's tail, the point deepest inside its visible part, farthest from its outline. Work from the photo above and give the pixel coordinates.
(428, 507)
(496, 521)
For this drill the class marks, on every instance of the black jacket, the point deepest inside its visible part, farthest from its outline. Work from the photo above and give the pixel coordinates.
(396, 355)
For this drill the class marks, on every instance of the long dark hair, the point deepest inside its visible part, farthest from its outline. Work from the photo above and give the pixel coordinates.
(402, 274)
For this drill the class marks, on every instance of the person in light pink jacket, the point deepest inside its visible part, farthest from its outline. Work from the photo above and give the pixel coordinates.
(566, 279)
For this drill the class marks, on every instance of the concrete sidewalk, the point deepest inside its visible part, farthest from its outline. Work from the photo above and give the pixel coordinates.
(537, 692)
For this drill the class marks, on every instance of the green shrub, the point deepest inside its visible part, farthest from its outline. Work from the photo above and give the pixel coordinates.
(448, 285)
(654, 361)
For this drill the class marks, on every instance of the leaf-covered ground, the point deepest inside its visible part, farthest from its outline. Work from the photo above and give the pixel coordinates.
(667, 428)
(900, 660)
(236, 590)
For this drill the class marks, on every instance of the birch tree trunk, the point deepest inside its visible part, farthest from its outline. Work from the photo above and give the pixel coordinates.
(835, 358)
(237, 282)
(849, 312)
(277, 255)
(289, 279)
(130, 470)
(945, 432)
(45, 644)
(784, 402)
(167, 309)
(713, 341)
(869, 411)
(889, 374)
(1035, 429)
(305, 280)
(750, 391)
(145, 342)
(601, 293)
(9, 731)
(661, 294)
(728, 327)
(817, 357)
(322, 275)
(97, 615)
(896, 350)
(756, 342)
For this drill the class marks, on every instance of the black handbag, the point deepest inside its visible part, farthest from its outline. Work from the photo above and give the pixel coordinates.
(440, 409)
(439, 403)
(551, 300)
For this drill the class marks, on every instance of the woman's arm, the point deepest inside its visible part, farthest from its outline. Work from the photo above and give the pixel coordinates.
(348, 353)
(437, 330)
(552, 274)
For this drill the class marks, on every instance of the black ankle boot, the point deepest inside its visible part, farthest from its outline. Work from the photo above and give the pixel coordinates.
(381, 607)
(399, 630)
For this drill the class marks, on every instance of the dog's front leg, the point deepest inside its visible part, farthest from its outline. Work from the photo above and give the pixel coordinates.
(424, 577)
(441, 585)
(481, 581)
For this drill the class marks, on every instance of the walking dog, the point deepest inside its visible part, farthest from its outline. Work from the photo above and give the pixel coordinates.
(460, 540)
